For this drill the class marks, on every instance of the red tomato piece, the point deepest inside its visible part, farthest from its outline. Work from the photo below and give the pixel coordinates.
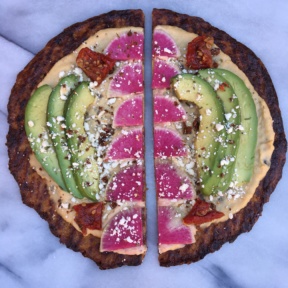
(199, 54)
(222, 86)
(89, 216)
(95, 65)
(202, 212)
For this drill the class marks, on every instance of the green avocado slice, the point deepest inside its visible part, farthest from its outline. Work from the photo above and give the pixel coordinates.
(38, 134)
(249, 122)
(82, 153)
(209, 151)
(225, 169)
(56, 120)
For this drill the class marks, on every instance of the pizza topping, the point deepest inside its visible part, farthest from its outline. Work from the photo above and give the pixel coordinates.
(124, 230)
(199, 54)
(171, 183)
(127, 46)
(162, 73)
(166, 109)
(129, 113)
(164, 46)
(129, 146)
(95, 65)
(89, 216)
(126, 185)
(127, 80)
(202, 212)
(170, 227)
(168, 143)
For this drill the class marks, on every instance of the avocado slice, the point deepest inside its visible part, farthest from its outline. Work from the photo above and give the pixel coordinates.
(209, 151)
(56, 120)
(226, 167)
(38, 134)
(249, 122)
(82, 153)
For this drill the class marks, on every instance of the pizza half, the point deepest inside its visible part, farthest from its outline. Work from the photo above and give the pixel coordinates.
(218, 148)
(76, 138)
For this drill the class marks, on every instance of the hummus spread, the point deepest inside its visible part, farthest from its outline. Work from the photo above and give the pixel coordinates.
(231, 201)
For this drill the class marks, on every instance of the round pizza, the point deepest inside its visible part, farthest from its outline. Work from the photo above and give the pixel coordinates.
(76, 137)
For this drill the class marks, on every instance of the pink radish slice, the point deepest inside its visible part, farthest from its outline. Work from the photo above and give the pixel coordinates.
(170, 227)
(164, 45)
(162, 73)
(168, 143)
(126, 185)
(128, 46)
(124, 230)
(129, 113)
(128, 145)
(168, 110)
(127, 80)
(171, 183)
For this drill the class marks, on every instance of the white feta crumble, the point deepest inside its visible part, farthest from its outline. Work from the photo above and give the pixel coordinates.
(129, 240)
(167, 50)
(183, 187)
(30, 123)
(111, 101)
(61, 74)
(208, 112)
(219, 127)
(228, 116)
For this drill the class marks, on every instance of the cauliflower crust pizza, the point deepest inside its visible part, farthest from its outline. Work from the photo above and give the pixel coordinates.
(76, 137)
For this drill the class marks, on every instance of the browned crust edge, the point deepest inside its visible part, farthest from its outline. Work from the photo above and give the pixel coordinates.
(33, 189)
(212, 238)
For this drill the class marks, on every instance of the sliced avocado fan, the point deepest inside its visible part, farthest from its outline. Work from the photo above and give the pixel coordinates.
(56, 120)
(38, 134)
(83, 160)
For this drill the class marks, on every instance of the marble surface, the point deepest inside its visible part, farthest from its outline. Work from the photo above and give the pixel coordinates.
(30, 256)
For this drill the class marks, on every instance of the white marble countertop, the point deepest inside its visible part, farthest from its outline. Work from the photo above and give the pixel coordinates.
(30, 256)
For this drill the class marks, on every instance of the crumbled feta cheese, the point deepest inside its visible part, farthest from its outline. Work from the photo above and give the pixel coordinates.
(208, 112)
(30, 123)
(219, 127)
(183, 187)
(228, 116)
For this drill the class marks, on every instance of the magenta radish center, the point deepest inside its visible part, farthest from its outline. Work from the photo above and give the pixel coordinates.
(129, 113)
(126, 46)
(126, 185)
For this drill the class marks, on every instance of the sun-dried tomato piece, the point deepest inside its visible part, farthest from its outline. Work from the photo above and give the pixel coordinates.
(222, 86)
(199, 54)
(202, 212)
(89, 216)
(95, 65)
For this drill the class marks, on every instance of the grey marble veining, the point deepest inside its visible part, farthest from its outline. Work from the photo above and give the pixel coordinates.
(30, 256)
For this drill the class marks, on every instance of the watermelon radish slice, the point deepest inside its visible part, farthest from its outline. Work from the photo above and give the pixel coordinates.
(129, 113)
(124, 230)
(127, 80)
(128, 145)
(170, 227)
(168, 143)
(171, 183)
(162, 73)
(126, 46)
(164, 45)
(127, 184)
(167, 109)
